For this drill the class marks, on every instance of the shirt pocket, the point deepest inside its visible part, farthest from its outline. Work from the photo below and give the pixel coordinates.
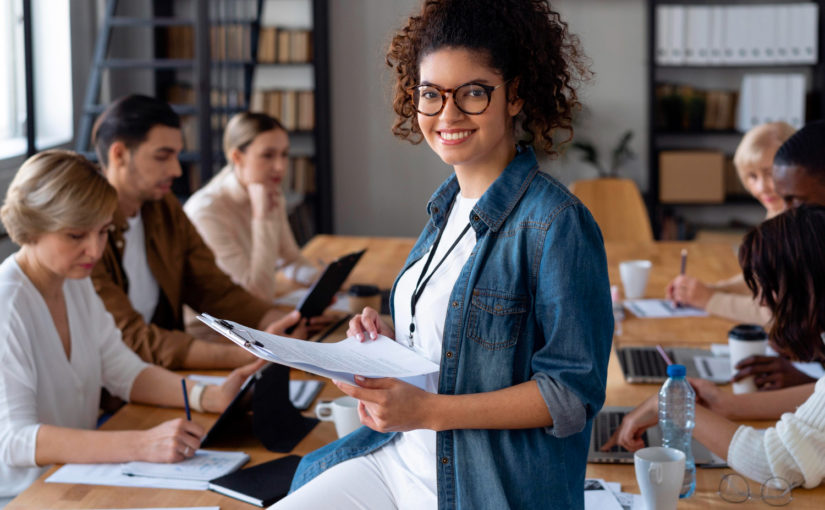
(496, 318)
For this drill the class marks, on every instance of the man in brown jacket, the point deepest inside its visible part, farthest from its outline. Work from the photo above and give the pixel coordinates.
(155, 261)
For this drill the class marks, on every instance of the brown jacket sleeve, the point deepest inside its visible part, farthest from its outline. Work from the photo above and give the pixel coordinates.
(153, 344)
(208, 289)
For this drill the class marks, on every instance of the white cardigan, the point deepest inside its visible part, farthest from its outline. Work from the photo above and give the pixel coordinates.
(793, 449)
(38, 384)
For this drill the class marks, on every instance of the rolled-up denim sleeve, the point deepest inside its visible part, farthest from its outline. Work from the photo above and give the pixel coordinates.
(574, 312)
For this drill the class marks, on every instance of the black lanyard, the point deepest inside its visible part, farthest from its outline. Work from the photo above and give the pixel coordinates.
(419, 286)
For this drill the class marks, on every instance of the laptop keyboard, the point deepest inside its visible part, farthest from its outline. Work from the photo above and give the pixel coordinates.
(603, 427)
(643, 362)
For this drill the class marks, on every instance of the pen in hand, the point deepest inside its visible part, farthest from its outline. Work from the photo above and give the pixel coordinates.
(682, 268)
(186, 400)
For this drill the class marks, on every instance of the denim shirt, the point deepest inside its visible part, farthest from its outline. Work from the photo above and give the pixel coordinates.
(532, 302)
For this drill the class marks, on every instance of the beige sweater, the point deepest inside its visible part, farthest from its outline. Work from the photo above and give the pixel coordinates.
(793, 449)
(733, 300)
(248, 250)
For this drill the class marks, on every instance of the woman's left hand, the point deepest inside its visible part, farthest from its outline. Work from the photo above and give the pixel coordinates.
(389, 405)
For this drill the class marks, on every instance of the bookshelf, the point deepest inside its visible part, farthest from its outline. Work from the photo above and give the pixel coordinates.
(695, 100)
(291, 83)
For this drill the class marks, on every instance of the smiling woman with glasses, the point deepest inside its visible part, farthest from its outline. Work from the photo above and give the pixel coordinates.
(506, 288)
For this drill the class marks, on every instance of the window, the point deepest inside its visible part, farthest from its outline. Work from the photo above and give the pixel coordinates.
(51, 48)
(12, 91)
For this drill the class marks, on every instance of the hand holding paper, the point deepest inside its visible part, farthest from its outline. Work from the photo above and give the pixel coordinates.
(343, 360)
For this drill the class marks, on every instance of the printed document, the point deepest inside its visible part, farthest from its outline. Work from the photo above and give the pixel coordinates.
(204, 465)
(382, 357)
(661, 308)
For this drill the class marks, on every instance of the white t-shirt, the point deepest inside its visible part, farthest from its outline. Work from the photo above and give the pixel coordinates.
(38, 384)
(143, 288)
(409, 462)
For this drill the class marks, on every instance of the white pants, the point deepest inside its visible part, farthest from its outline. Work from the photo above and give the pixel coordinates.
(362, 483)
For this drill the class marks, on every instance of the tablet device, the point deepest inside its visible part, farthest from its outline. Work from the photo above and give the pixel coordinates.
(239, 407)
(323, 290)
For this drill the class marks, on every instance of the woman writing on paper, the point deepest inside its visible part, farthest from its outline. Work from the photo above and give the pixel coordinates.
(782, 263)
(59, 345)
(241, 214)
(754, 166)
(506, 288)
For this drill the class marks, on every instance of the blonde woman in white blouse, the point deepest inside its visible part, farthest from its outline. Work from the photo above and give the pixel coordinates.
(241, 213)
(783, 258)
(59, 345)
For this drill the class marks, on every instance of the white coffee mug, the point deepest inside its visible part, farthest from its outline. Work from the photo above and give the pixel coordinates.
(343, 411)
(745, 340)
(634, 274)
(660, 472)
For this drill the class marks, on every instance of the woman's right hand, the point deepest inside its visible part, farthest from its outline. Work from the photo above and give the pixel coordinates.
(262, 199)
(369, 322)
(634, 424)
(688, 290)
(171, 441)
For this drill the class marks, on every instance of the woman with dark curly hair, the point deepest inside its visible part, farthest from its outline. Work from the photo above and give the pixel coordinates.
(506, 288)
(782, 263)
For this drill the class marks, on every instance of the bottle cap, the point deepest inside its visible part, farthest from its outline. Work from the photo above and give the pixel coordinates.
(676, 371)
(747, 332)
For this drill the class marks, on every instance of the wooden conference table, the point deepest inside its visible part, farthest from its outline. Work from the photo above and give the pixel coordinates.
(382, 261)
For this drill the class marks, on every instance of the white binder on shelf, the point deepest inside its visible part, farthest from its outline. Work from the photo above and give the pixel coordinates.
(782, 22)
(796, 100)
(735, 30)
(663, 20)
(751, 33)
(677, 34)
(697, 35)
(804, 34)
(765, 28)
(746, 111)
(716, 45)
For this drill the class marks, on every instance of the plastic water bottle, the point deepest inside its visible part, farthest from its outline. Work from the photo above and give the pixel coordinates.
(677, 402)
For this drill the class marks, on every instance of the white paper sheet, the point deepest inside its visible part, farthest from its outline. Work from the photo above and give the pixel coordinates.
(112, 474)
(343, 360)
(205, 465)
(660, 308)
(597, 496)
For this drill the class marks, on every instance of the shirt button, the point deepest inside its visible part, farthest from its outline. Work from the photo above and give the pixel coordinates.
(475, 217)
(445, 460)
(455, 304)
(449, 354)
(435, 210)
(499, 308)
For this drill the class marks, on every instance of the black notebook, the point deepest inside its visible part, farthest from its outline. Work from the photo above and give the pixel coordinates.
(260, 485)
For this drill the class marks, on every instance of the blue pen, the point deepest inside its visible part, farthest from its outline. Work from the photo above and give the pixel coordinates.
(186, 400)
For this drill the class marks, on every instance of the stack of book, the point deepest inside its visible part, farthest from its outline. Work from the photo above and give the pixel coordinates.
(281, 45)
(686, 108)
(294, 108)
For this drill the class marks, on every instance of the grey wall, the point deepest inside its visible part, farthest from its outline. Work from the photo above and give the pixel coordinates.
(382, 184)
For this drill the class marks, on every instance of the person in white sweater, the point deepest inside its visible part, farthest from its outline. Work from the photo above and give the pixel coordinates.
(58, 344)
(782, 263)
(241, 213)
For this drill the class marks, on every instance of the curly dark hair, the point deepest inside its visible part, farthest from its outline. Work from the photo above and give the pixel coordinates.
(524, 39)
(782, 263)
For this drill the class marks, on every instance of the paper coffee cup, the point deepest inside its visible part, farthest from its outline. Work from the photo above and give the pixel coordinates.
(634, 274)
(745, 340)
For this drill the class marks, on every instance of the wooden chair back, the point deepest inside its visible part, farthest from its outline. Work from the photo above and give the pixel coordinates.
(617, 206)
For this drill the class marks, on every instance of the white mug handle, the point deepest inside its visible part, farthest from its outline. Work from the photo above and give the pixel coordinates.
(324, 411)
(654, 473)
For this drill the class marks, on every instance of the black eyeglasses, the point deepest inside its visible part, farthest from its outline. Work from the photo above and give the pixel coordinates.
(470, 98)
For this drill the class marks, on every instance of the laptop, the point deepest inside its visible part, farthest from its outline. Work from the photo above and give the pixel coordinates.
(643, 364)
(609, 419)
